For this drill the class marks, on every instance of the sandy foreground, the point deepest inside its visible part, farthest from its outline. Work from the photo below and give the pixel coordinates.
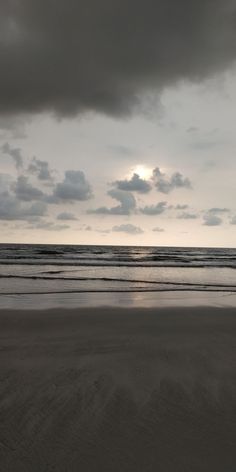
(114, 389)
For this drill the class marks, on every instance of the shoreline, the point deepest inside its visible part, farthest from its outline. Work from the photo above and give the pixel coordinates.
(118, 299)
(121, 389)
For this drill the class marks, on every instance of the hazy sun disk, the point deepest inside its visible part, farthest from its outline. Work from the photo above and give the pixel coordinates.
(143, 171)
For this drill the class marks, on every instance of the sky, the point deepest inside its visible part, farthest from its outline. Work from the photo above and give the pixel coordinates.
(117, 122)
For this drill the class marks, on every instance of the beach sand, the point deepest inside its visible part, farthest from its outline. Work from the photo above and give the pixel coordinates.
(112, 389)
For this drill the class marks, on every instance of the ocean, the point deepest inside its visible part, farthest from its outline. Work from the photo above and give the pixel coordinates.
(70, 274)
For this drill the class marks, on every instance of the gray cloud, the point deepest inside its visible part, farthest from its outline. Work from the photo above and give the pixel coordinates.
(5, 182)
(88, 55)
(36, 209)
(122, 151)
(187, 216)
(25, 191)
(165, 184)
(103, 231)
(126, 207)
(127, 228)
(14, 153)
(181, 207)
(12, 127)
(158, 230)
(233, 220)
(48, 225)
(74, 187)
(154, 209)
(212, 220)
(135, 184)
(12, 209)
(40, 168)
(216, 210)
(66, 216)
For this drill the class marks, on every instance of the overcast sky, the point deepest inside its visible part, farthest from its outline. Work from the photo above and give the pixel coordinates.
(117, 122)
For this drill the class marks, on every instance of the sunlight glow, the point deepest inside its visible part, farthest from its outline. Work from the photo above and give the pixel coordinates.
(143, 171)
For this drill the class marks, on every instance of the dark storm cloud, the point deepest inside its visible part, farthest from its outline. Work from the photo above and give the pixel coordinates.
(74, 187)
(14, 153)
(127, 228)
(75, 55)
(165, 184)
(135, 184)
(154, 209)
(126, 207)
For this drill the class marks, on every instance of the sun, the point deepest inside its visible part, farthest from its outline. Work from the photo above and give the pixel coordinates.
(143, 171)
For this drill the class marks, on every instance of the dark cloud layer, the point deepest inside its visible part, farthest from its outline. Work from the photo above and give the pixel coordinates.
(76, 55)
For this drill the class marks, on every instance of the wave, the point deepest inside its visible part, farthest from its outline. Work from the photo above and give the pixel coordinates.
(189, 264)
(113, 279)
(140, 290)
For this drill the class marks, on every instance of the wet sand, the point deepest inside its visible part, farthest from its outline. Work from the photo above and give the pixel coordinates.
(112, 389)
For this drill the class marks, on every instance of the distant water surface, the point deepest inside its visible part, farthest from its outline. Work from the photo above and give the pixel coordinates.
(70, 269)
